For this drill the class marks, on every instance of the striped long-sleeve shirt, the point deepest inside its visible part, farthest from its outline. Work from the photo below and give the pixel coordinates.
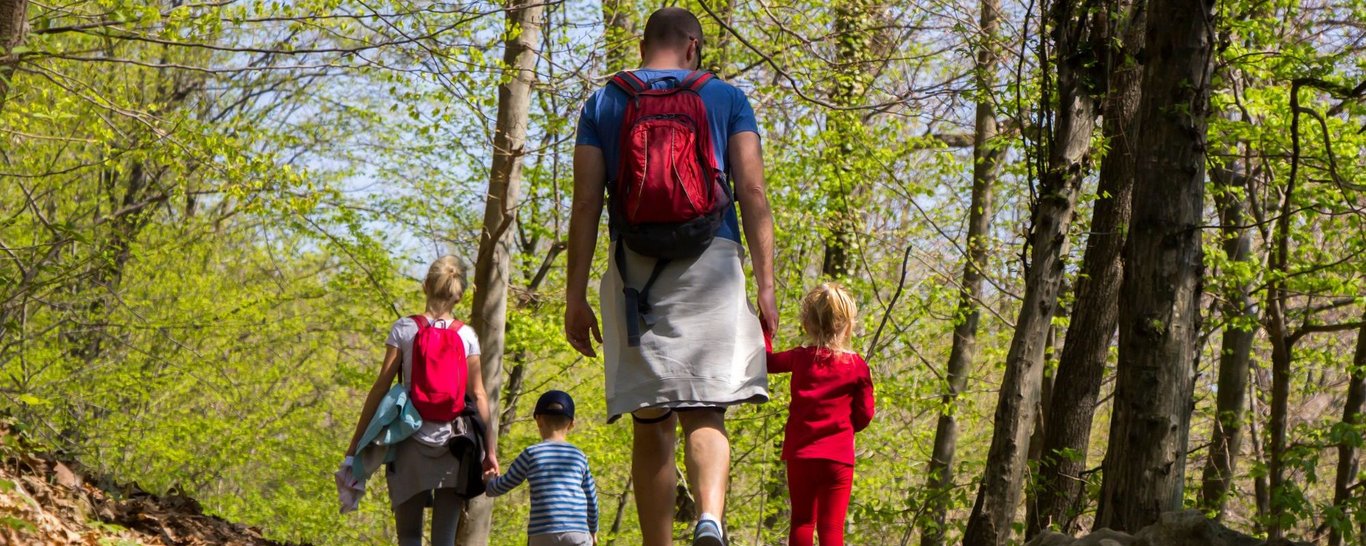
(564, 498)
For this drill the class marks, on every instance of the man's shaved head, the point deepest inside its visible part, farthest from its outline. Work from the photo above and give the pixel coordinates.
(671, 28)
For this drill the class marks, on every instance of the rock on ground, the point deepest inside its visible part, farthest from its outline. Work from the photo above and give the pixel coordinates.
(44, 501)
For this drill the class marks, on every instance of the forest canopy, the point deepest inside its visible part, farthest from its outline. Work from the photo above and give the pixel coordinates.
(1063, 221)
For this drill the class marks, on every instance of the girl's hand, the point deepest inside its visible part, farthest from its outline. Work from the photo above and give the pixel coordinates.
(491, 465)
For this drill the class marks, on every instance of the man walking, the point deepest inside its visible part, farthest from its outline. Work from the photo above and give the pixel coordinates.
(680, 339)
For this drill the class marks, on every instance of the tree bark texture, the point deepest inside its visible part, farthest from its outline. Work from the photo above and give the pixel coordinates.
(1144, 467)
(1347, 451)
(855, 36)
(620, 20)
(986, 155)
(1235, 350)
(13, 30)
(1081, 368)
(1077, 32)
(523, 38)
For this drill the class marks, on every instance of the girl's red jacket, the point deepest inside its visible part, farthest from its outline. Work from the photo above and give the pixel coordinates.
(832, 398)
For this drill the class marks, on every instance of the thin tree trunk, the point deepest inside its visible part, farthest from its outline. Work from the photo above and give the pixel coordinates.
(620, 19)
(1145, 465)
(1347, 451)
(13, 30)
(1235, 353)
(998, 495)
(986, 156)
(1067, 434)
(491, 268)
(719, 49)
(1259, 488)
(621, 508)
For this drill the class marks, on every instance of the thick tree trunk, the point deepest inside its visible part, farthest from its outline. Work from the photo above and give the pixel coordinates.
(1347, 451)
(1145, 465)
(620, 19)
(13, 30)
(1235, 353)
(505, 180)
(1067, 433)
(998, 495)
(854, 48)
(986, 154)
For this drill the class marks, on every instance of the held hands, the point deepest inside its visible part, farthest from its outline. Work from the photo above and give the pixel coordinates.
(491, 469)
(768, 311)
(579, 323)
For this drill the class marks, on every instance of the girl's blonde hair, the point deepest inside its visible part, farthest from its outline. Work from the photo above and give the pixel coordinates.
(828, 315)
(445, 284)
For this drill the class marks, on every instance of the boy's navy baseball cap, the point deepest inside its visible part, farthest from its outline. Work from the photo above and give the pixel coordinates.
(546, 404)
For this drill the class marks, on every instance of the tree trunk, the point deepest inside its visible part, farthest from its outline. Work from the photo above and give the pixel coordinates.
(1347, 451)
(1070, 145)
(505, 179)
(1067, 433)
(854, 47)
(620, 18)
(13, 30)
(1235, 353)
(986, 154)
(1145, 465)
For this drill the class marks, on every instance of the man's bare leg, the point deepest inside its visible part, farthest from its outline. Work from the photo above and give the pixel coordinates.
(655, 474)
(706, 453)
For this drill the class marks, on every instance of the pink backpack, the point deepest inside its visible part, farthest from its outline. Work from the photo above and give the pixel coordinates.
(439, 371)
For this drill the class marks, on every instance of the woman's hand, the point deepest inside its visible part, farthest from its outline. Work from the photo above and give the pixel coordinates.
(491, 465)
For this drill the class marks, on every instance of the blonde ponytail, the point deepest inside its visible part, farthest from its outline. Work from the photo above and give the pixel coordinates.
(445, 284)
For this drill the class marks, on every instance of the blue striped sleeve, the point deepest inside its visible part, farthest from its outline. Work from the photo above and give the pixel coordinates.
(590, 492)
(517, 473)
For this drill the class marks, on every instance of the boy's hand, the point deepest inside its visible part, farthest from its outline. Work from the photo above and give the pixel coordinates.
(490, 475)
(595, 538)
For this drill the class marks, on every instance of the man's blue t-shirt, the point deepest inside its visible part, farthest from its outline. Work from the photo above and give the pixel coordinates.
(728, 113)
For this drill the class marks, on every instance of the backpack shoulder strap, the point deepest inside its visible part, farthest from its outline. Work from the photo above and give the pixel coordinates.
(421, 322)
(629, 83)
(696, 79)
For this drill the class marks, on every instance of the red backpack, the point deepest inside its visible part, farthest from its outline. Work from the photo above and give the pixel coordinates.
(439, 371)
(669, 197)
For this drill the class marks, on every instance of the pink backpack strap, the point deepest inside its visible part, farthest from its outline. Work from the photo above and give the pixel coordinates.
(421, 321)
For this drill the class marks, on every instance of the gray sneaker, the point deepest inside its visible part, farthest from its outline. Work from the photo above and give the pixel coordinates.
(707, 533)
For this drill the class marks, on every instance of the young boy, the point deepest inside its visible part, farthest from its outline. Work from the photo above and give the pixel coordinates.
(564, 498)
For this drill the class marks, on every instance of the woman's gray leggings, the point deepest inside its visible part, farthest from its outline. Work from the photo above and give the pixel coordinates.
(446, 506)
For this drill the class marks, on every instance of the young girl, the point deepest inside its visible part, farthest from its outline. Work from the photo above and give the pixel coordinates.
(424, 470)
(832, 398)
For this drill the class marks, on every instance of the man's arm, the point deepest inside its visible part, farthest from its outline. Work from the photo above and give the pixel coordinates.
(747, 166)
(590, 177)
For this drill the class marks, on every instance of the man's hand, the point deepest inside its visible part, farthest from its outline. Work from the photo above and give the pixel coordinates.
(768, 311)
(579, 323)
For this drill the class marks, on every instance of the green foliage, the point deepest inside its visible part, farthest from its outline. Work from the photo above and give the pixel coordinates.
(211, 214)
